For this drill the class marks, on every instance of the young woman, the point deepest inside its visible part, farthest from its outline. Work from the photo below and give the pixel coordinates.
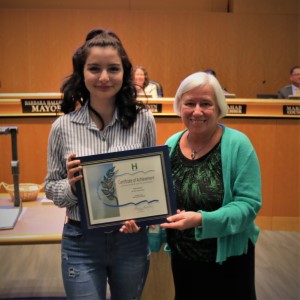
(107, 119)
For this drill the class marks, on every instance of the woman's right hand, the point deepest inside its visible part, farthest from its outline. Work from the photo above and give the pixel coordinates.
(73, 166)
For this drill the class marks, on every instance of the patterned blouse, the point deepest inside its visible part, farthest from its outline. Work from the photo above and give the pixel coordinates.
(198, 186)
(77, 133)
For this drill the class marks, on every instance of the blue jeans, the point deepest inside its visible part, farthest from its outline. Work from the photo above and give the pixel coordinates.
(90, 261)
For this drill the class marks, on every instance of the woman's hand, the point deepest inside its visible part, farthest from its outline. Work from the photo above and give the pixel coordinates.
(73, 166)
(183, 220)
(129, 227)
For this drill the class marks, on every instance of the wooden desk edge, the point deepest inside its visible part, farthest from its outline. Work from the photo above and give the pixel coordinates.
(31, 239)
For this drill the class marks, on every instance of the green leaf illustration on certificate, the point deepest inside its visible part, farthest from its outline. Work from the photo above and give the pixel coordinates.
(125, 189)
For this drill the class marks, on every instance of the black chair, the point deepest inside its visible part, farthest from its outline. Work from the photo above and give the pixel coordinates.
(159, 88)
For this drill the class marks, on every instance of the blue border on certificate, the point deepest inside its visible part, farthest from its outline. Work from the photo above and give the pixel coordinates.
(119, 186)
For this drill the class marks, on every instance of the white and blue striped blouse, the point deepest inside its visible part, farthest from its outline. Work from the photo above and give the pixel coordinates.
(77, 133)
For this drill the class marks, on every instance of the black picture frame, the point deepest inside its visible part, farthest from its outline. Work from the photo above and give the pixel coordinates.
(119, 186)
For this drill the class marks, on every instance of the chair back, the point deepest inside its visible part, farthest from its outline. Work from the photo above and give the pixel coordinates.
(159, 88)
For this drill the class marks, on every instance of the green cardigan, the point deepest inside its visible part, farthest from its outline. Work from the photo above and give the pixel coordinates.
(232, 224)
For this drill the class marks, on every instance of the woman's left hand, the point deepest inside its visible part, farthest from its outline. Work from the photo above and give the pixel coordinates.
(129, 227)
(183, 220)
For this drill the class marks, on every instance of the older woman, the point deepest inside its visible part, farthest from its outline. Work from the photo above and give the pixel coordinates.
(218, 190)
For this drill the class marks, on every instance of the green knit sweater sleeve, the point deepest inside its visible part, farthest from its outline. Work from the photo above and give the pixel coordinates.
(242, 189)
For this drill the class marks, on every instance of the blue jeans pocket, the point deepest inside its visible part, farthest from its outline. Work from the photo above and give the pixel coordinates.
(72, 232)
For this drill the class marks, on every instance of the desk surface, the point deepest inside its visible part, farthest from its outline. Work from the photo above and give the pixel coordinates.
(38, 223)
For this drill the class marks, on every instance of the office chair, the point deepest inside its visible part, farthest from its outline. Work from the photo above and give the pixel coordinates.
(159, 88)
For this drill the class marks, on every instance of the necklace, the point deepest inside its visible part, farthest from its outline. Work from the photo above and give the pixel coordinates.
(194, 151)
(97, 114)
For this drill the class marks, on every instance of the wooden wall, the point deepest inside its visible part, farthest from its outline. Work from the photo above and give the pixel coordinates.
(252, 44)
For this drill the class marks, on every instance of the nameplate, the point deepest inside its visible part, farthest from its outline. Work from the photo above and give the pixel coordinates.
(237, 109)
(154, 108)
(41, 106)
(291, 109)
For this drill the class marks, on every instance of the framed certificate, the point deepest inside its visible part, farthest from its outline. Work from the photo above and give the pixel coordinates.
(126, 185)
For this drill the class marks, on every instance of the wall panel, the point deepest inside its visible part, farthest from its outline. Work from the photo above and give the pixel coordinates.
(251, 53)
(200, 5)
(266, 6)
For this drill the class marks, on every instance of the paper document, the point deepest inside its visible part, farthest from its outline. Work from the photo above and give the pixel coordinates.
(9, 216)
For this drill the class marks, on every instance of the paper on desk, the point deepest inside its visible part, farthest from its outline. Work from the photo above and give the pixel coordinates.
(9, 216)
(46, 201)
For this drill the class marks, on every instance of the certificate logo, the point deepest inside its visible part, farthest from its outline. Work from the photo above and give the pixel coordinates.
(134, 167)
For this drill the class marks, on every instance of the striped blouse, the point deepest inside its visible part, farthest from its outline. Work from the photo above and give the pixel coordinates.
(77, 133)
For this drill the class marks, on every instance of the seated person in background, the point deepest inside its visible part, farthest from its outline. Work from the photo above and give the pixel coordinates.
(213, 72)
(294, 87)
(143, 86)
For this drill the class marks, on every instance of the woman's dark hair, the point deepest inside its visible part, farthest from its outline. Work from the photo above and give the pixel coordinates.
(74, 89)
(146, 82)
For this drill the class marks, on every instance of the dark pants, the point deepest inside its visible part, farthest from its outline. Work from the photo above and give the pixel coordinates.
(233, 280)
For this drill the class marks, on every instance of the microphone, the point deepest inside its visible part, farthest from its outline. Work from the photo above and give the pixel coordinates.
(10, 215)
(261, 91)
(12, 130)
(7, 130)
